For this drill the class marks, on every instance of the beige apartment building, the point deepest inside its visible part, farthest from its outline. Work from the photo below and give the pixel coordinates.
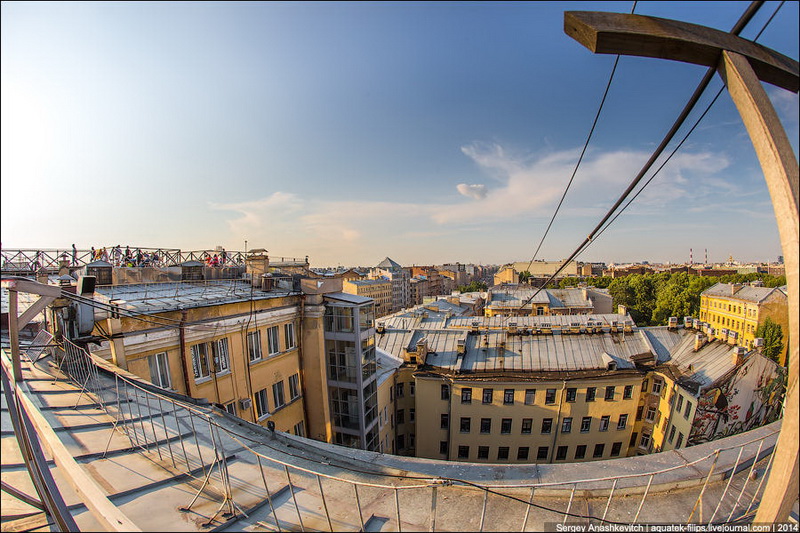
(736, 310)
(379, 289)
(522, 301)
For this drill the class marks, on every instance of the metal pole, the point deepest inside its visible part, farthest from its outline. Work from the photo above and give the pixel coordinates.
(746, 479)
(197, 442)
(358, 506)
(397, 509)
(483, 511)
(324, 503)
(269, 497)
(569, 505)
(166, 433)
(294, 499)
(152, 424)
(641, 504)
(528, 510)
(180, 434)
(702, 491)
(763, 477)
(433, 509)
(610, 494)
(727, 485)
(13, 331)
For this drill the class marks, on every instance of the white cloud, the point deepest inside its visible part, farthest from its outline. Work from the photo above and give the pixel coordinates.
(476, 191)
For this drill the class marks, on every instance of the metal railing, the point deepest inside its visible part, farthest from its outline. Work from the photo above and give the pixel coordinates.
(32, 260)
(190, 439)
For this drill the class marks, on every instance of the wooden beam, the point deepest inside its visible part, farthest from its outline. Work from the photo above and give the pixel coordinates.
(33, 287)
(782, 176)
(639, 35)
(37, 307)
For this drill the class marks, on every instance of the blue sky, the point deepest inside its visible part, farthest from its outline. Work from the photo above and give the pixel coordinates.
(428, 132)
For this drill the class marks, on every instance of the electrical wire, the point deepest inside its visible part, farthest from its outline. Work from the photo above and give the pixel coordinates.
(751, 10)
(691, 130)
(580, 158)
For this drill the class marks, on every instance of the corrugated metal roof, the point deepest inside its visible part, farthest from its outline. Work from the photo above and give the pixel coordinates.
(704, 366)
(746, 293)
(349, 298)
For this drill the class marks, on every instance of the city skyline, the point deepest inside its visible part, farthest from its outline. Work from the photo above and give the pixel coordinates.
(426, 132)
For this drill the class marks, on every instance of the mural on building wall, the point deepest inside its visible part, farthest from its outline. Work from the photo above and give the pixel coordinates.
(748, 398)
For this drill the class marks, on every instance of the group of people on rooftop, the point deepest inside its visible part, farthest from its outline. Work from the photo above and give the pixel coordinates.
(117, 257)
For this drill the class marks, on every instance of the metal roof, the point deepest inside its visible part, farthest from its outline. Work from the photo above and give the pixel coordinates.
(349, 298)
(746, 293)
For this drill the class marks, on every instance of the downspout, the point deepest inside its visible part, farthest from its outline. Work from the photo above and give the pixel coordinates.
(450, 419)
(558, 420)
(182, 336)
(299, 343)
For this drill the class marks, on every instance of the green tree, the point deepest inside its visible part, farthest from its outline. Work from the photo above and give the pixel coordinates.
(773, 339)
(524, 276)
(474, 286)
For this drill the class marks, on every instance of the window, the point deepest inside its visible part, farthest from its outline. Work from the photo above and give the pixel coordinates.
(591, 392)
(572, 393)
(688, 410)
(623, 422)
(463, 452)
(604, 420)
(502, 453)
(300, 429)
(586, 424)
(634, 436)
(550, 396)
(561, 453)
(680, 402)
(487, 395)
(508, 397)
(522, 453)
(639, 411)
(288, 334)
(254, 345)
(610, 391)
(527, 424)
(294, 386)
(443, 446)
(261, 403)
(221, 360)
(651, 414)
(277, 394)
(230, 408)
(671, 434)
(159, 370)
(580, 451)
(598, 450)
(411, 388)
(465, 423)
(530, 396)
(657, 384)
(401, 442)
(680, 440)
(645, 440)
(200, 361)
(400, 416)
(445, 392)
(412, 414)
(547, 425)
(483, 452)
(273, 344)
(399, 390)
(505, 426)
(644, 386)
(627, 392)
(486, 425)
(466, 395)
(542, 452)
(566, 425)
(616, 448)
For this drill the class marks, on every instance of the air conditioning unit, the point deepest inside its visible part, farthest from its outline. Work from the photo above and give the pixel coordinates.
(245, 403)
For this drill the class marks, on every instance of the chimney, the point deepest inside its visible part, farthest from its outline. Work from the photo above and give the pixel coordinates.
(422, 348)
(673, 322)
(622, 310)
(758, 343)
(699, 341)
(512, 328)
(738, 355)
(735, 288)
(461, 347)
(687, 322)
(501, 348)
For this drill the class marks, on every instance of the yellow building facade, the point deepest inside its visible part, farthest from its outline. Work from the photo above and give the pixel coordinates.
(379, 290)
(735, 310)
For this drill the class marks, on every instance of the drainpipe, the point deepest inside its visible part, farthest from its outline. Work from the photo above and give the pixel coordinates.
(184, 369)
(450, 419)
(299, 342)
(558, 420)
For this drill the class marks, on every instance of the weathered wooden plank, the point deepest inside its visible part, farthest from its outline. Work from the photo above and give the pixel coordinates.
(639, 35)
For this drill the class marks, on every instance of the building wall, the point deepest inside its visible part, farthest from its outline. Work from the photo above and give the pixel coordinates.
(226, 383)
(405, 412)
(431, 435)
(379, 290)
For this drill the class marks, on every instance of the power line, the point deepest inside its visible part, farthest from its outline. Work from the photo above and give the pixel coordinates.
(580, 158)
(701, 87)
